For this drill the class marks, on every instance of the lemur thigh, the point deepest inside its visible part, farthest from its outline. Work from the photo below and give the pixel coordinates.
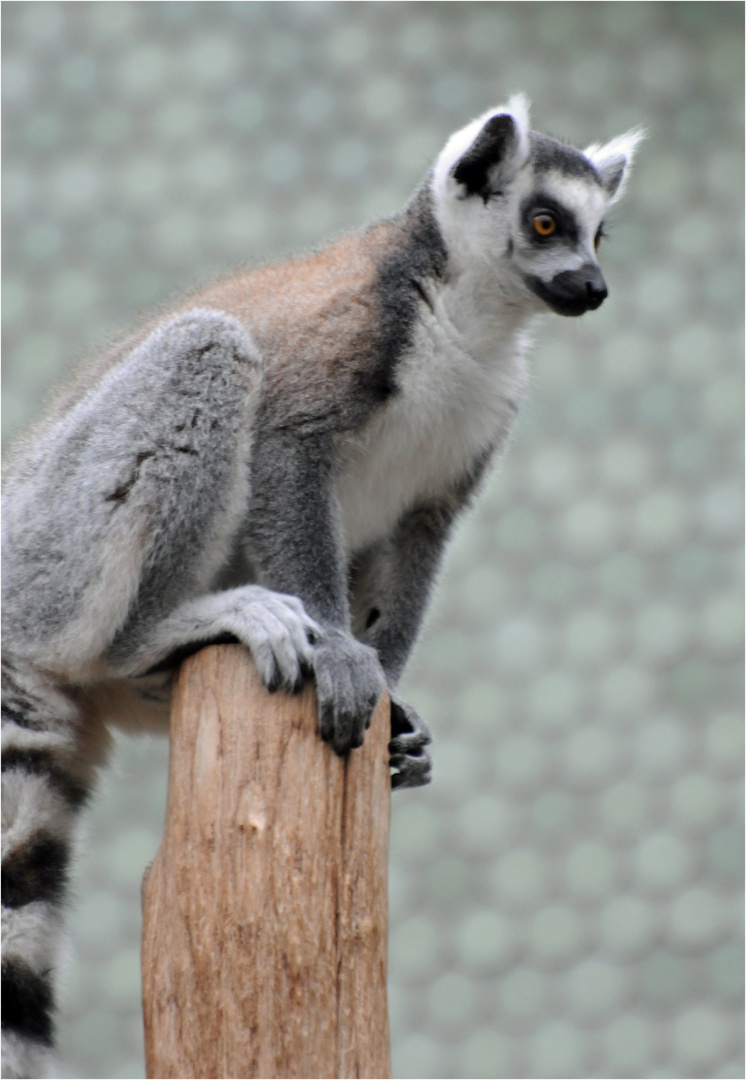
(133, 508)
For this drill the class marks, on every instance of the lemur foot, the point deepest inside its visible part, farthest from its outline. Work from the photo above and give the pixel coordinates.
(409, 737)
(280, 636)
(349, 682)
(274, 627)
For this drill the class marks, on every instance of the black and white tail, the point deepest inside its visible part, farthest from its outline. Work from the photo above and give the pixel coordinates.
(47, 776)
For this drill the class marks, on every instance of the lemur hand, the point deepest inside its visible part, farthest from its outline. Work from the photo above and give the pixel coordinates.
(349, 682)
(409, 737)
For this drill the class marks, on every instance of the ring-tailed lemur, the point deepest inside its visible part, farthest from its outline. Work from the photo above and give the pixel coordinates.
(279, 461)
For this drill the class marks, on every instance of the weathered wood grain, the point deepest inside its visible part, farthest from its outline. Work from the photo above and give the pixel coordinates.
(265, 909)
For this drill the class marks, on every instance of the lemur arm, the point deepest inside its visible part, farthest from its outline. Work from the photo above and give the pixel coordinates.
(294, 541)
(390, 587)
(390, 583)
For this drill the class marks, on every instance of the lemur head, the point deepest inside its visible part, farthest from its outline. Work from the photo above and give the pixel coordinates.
(527, 211)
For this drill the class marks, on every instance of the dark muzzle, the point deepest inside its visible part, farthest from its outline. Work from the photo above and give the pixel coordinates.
(573, 292)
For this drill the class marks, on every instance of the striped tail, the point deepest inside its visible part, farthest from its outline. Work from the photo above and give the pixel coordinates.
(46, 781)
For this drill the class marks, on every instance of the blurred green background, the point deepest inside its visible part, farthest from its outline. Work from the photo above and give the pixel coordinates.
(566, 897)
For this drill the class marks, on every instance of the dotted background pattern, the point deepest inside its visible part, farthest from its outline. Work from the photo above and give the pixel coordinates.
(566, 897)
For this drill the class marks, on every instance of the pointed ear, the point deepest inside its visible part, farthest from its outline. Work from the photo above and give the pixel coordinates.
(613, 161)
(488, 151)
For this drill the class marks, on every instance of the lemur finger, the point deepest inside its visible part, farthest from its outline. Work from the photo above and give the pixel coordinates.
(270, 638)
(301, 620)
(325, 696)
(340, 727)
(347, 725)
(266, 666)
(330, 729)
(290, 655)
(348, 736)
(286, 637)
(296, 606)
(281, 622)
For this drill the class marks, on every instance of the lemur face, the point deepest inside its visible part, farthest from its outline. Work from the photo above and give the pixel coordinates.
(510, 199)
(557, 227)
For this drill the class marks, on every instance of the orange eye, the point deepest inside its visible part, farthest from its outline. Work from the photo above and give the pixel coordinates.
(545, 224)
(597, 239)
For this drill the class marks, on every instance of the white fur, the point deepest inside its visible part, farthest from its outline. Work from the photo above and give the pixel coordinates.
(62, 742)
(465, 370)
(22, 1058)
(622, 149)
(456, 383)
(467, 225)
(33, 934)
(589, 203)
(517, 108)
(31, 806)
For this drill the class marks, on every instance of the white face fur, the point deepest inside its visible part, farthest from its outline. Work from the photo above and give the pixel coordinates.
(524, 212)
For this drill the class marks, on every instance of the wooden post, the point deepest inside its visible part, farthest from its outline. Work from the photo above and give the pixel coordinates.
(265, 909)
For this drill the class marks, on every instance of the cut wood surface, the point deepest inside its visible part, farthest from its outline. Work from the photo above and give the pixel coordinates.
(265, 909)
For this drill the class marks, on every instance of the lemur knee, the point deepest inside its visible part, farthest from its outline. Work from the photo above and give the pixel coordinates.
(202, 331)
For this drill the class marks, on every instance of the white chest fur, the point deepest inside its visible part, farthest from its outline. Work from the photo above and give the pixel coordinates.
(458, 397)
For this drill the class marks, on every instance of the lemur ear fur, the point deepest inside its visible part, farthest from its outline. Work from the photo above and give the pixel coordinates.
(613, 161)
(492, 145)
(498, 145)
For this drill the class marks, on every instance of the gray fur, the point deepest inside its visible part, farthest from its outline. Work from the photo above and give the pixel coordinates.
(280, 463)
(551, 155)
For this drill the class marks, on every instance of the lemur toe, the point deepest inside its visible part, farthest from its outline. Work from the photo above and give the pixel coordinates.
(275, 683)
(410, 743)
(408, 756)
(411, 770)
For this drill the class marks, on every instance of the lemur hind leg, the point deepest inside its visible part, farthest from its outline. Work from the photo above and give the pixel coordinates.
(274, 627)
(115, 528)
(197, 469)
(132, 509)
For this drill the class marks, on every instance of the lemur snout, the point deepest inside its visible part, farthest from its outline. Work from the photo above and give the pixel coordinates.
(571, 292)
(595, 288)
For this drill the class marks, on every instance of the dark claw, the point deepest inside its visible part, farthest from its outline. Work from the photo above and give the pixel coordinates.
(326, 725)
(275, 682)
(353, 741)
(303, 675)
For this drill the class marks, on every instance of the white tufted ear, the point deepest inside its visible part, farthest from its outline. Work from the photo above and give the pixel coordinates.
(613, 160)
(488, 150)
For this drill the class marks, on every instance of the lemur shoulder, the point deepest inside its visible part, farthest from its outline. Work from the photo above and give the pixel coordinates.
(277, 461)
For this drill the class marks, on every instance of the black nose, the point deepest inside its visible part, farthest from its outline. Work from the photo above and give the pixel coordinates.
(596, 290)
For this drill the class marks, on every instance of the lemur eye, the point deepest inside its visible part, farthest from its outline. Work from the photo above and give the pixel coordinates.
(598, 236)
(545, 224)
